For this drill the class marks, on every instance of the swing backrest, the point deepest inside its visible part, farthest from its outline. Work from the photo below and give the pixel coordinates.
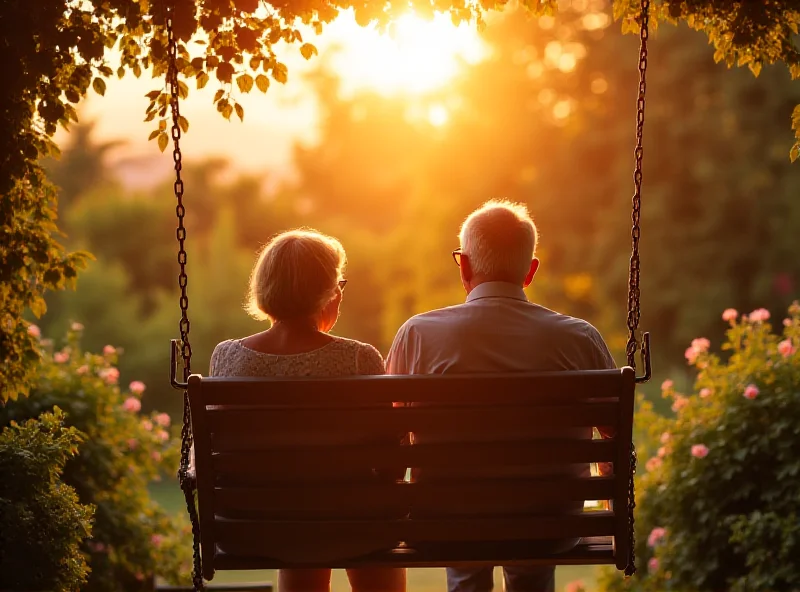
(305, 472)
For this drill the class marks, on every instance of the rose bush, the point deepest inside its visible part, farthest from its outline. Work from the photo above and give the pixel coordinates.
(719, 496)
(123, 452)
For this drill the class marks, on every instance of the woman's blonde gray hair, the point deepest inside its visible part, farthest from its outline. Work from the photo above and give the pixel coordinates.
(499, 238)
(295, 276)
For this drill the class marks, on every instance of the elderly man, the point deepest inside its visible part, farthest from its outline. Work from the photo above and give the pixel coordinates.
(497, 330)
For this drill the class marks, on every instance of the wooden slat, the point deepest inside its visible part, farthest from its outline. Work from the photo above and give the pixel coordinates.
(592, 551)
(290, 461)
(622, 468)
(405, 496)
(266, 537)
(556, 387)
(261, 423)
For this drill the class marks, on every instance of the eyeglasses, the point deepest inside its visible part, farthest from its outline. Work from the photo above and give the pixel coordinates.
(457, 256)
(342, 284)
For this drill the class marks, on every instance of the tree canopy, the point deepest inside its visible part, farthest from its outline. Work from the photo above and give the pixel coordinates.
(55, 51)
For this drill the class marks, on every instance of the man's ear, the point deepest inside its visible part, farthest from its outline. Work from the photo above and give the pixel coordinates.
(466, 270)
(531, 272)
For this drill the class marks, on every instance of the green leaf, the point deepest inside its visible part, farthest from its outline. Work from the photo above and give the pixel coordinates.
(262, 82)
(183, 123)
(202, 79)
(280, 73)
(153, 134)
(239, 111)
(308, 50)
(245, 83)
(72, 96)
(99, 86)
(218, 95)
(153, 94)
(163, 140)
(227, 111)
(794, 154)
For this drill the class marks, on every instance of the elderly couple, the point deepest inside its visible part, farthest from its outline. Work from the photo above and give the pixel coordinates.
(297, 284)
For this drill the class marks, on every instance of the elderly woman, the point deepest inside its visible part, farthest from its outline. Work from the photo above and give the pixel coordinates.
(297, 285)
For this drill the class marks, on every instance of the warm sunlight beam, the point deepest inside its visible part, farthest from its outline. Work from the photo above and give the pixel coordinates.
(414, 57)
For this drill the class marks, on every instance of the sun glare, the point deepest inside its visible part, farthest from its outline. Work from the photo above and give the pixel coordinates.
(413, 57)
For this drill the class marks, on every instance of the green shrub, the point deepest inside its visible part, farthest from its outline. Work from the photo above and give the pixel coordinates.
(123, 452)
(42, 524)
(719, 489)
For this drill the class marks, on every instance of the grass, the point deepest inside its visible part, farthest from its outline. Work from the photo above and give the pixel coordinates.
(419, 580)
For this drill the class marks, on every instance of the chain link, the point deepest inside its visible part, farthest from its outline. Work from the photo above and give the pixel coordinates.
(634, 312)
(187, 482)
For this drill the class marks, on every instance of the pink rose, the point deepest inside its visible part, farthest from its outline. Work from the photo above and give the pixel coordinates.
(61, 357)
(699, 450)
(787, 322)
(662, 452)
(667, 385)
(76, 327)
(34, 331)
(110, 375)
(164, 436)
(759, 315)
(729, 314)
(652, 565)
(785, 348)
(133, 443)
(690, 354)
(701, 344)
(576, 586)
(147, 424)
(751, 392)
(163, 420)
(137, 387)
(680, 403)
(665, 437)
(96, 547)
(656, 536)
(705, 392)
(157, 539)
(653, 464)
(109, 350)
(155, 455)
(82, 369)
(132, 404)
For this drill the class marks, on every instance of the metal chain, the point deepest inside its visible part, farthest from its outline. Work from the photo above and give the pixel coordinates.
(634, 312)
(187, 481)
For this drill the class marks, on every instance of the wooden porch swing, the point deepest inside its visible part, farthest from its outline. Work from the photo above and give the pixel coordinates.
(251, 502)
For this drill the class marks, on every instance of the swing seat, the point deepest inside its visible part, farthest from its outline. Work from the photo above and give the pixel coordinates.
(307, 472)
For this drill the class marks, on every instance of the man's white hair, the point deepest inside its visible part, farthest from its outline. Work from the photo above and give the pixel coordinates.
(499, 239)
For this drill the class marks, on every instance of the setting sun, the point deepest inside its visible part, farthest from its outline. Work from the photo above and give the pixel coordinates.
(414, 56)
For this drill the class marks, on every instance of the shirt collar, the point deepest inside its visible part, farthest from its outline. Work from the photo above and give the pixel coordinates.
(497, 290)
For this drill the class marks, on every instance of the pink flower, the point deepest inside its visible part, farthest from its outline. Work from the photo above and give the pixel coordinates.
(656, 536)
(653, 464)
(729, 314)
(96, 547)
(652, 565)
(61, 357)
(163, 435)
(787, 322)
(139, 576)
(133, 443)
(132, 404)
(662, 452)
(76, 327)
(751, 392)
(785, 348)
(701, 345)
(667, 385)
(665, 437)
(680, 403)
(576, 586)
(147, 424)
(82, 369)
(691, 355)
(34, 331)
(759, 315)
(109, 350)
(157, 539)
(699, 450)
(155, 455)
(137, 387)
(110, 375)
(163, 420)
(705, 392)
